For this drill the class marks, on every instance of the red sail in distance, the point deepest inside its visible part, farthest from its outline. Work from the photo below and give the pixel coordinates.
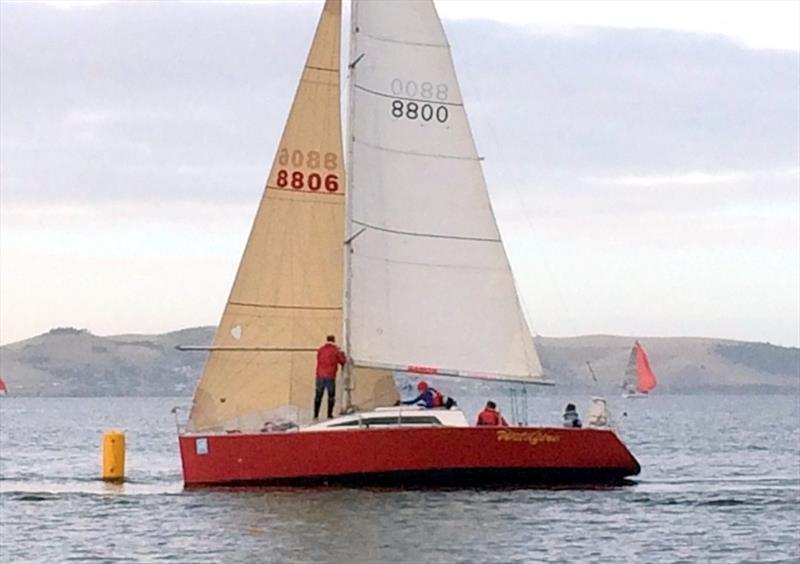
(3, 389)
(647, 380)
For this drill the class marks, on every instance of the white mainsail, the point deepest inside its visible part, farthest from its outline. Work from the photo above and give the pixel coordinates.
(430, 285)
(631, 379)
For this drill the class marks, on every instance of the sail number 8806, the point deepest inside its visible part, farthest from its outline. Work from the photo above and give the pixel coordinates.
(298, 180)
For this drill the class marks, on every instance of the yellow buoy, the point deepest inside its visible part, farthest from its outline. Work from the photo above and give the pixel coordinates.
(114, 456)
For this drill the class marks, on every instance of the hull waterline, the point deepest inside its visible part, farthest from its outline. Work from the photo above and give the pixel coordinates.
(408, 457)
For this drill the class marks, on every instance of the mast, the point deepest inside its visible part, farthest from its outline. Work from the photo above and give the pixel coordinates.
(347, 376)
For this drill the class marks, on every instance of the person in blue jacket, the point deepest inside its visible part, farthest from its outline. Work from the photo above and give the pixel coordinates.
(430, 397)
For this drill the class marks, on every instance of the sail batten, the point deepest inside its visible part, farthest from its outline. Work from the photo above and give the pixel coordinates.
(421, 154)
(288, 190)
(406, 42)
(426, 235)
(285, 306)
(401, 97)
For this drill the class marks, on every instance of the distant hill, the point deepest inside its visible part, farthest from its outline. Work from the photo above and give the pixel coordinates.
(74, 362)
(682, 364)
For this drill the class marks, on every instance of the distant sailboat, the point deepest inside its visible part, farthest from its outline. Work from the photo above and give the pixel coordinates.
(639, 377)
(3, 388)
(404, 261)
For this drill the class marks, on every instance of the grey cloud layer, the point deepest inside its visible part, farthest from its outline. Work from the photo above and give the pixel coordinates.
(643, 101)
(181, 101)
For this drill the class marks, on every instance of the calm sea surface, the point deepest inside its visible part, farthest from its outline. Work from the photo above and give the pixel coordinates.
(720, 482)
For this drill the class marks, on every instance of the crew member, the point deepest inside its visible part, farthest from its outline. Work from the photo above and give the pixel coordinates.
(491, 417)
(430, 397)
(571, 418)
(329, 358)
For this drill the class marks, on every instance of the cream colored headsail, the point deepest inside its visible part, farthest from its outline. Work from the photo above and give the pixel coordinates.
(287, 295)
(431, 288)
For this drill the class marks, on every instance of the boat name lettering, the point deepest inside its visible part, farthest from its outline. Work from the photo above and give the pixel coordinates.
(531, 437)
(413, 111)
(314, 181)
(309, 159)
(425, 90)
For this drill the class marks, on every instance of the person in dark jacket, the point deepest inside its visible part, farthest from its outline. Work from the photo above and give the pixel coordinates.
(430, 397)
(491, 417)
(571, 418)
(329, 358)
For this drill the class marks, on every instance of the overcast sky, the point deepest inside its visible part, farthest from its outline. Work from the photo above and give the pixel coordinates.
(643, 159)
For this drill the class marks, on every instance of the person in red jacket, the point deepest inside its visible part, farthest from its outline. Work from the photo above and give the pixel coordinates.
(329, 358)
(491, 417)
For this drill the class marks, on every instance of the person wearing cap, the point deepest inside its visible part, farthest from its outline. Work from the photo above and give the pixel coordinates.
(430, 397)
(329, 358)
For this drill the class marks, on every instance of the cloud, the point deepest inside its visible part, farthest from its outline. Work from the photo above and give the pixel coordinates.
(627, 167)
(690, 178)
(762, 24)
(619, 102)
(119, 102)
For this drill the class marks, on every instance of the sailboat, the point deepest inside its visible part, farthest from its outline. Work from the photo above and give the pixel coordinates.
(399, 255)
(3, 388)
(639, 378)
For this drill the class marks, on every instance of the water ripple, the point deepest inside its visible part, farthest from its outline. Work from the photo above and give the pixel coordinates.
(706, 494)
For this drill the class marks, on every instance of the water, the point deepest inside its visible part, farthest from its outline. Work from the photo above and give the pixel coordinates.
(720, 482)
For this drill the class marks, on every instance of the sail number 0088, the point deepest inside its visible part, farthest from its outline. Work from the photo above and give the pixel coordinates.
(309, 159)
(314, 181)
(422, 92)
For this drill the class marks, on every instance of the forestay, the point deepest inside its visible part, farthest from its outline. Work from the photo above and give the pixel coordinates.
(430, 284)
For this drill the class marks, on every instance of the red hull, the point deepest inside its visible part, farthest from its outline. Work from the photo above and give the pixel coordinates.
(405, 456)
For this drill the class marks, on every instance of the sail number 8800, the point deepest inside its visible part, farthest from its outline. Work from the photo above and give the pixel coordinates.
(414, 110)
